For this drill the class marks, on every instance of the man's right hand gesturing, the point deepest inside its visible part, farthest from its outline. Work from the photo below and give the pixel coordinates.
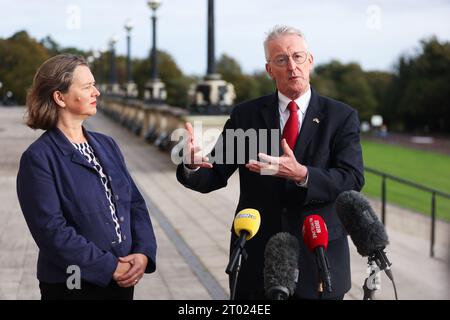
(193, 158)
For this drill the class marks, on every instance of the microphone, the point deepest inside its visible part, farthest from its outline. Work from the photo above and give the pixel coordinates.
(246, 225)
(365, 229)
(315, 235)
(281, 266)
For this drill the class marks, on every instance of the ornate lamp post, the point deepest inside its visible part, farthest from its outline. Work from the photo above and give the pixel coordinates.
(113, 85)
(96, 65)
(211, 69)
(154, 5)
(102, 62)
(212, 95)
(130, 87)
(154, 89)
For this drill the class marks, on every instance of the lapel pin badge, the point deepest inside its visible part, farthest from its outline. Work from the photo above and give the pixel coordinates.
(316, 120)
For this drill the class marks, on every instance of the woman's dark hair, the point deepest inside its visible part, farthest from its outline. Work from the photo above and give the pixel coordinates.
(55, 74)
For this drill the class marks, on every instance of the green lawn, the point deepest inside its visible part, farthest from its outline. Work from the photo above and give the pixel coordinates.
(427, 168)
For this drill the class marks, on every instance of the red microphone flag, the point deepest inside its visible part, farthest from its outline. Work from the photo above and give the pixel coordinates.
(315, 233)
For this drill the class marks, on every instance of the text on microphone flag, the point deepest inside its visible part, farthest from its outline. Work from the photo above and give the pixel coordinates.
(246, 215)
(315, 227)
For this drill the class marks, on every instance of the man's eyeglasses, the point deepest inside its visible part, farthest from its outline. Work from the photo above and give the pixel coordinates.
(283, 59)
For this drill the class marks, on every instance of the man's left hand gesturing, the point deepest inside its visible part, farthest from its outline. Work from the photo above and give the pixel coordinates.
(285, 166)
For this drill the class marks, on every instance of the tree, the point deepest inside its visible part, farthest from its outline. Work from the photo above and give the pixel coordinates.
(264, 83)
(230, 71)
(347, 83)
(177, 84)
(419, 92)
(20, 58)
(380, 83)
(52, 47)
(229, 68)
(246, 86)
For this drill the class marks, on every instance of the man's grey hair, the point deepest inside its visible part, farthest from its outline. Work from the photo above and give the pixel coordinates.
(278, 31)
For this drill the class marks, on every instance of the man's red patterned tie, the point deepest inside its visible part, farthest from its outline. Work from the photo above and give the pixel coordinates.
(290, 131)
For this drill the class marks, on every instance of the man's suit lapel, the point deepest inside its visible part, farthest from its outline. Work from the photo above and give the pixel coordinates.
(270, 113)
(311, 123)
(271, 116)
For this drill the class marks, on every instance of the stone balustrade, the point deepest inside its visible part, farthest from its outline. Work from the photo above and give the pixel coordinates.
(155, 123)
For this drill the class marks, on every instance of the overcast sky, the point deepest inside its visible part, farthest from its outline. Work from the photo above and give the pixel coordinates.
(373, 33)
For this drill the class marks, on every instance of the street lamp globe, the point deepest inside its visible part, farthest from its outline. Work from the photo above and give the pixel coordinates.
(90, 59)
(154, 4)
(103, 49)
(113, 40)
(96, 54)
(129, 25)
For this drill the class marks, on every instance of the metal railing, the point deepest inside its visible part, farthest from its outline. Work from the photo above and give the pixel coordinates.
(434, 193)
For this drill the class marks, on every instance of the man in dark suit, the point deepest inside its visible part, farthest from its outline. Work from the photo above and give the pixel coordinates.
(320, 158)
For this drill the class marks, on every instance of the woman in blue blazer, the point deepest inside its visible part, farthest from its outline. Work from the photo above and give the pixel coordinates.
(84, 211)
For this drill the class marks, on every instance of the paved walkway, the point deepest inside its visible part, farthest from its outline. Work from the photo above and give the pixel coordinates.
(192, 230)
